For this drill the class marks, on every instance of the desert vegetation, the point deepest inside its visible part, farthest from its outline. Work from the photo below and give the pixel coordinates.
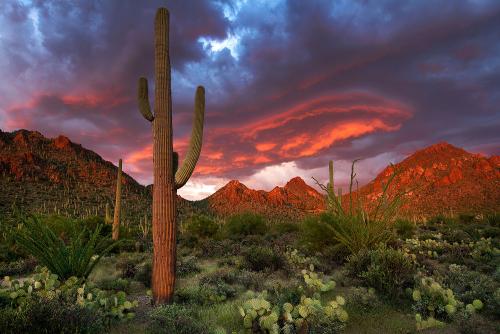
(326, 273)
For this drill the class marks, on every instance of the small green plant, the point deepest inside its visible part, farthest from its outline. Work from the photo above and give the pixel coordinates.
(174, 319)
(77, 257)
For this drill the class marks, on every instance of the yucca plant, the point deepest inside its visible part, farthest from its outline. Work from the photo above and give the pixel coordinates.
(77, 257)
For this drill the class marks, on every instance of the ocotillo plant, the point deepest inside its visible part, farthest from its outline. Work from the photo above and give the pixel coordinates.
(118, 200)
(167, 178)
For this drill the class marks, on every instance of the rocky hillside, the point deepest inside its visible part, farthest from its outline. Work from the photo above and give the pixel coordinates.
(441, 179)
(43, 175)
(295, 199)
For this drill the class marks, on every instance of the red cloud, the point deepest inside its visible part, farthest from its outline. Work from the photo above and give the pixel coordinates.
(303, 130)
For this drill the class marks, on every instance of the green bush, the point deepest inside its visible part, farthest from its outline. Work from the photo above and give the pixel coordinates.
(281, 228)
(470, 285)
(466, 218)
(42, 315)
(241, 225)
(315, 234)
(387, 270)
(174, 319)
(433, 301)
(77, 257)
(262, 258)
(364, 299)
(404, 228)
(200, 227)
(187, 266)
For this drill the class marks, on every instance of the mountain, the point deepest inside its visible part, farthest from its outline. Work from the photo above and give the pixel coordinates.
(45, 175)
(295, 199)
(441, 179)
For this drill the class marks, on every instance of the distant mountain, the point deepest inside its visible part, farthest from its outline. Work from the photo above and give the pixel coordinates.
(295, 199)
(441, 179)
(44, 175)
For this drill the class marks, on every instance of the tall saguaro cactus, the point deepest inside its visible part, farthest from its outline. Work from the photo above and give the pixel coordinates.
(118, 201)
(167, 178)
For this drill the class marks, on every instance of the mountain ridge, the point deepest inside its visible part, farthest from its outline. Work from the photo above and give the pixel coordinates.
(56, 175)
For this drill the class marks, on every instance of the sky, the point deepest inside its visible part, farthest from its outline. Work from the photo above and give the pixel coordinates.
(289, 85)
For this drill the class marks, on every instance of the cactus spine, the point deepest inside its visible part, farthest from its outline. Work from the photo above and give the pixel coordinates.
(167, 178)
(118, 200)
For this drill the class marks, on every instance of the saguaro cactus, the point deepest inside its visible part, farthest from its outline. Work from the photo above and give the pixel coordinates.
(107, 217)
(167, 178)
(118, 200)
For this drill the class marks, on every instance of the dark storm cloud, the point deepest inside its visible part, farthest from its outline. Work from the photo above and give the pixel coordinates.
(301, 81)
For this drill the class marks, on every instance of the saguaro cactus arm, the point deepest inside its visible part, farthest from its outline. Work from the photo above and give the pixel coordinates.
(184, 172)
(143, 99)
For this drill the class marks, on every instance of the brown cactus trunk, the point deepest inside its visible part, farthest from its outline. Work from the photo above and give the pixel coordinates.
(118, 200)
(164, 191)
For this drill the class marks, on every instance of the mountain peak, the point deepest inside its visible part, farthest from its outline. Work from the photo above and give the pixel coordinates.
(235, 184)
(62, 142)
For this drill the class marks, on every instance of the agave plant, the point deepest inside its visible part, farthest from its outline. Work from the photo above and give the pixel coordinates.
(77, 257)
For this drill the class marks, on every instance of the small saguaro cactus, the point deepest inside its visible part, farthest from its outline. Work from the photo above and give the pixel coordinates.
(118, 200)
(107, 217)
(167, 177)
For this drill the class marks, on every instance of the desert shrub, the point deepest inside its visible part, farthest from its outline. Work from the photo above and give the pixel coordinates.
(387, 270)
(174, 319)
(18, 267)
(404, 228)
(217, 248)
(315, 234)
(262, 258)
(143, 273)
(281, 228)
(187, 266)
(224, 275)
(120, 284)
(471, 285)
(466, 218)
(491, 232)
(244, 224)
(364, 299)
(200, 227)
(439, 221)
(251, 280)
(475, 324)
(76, 258)
(493, 219)
(205, 294)
(43, 315)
